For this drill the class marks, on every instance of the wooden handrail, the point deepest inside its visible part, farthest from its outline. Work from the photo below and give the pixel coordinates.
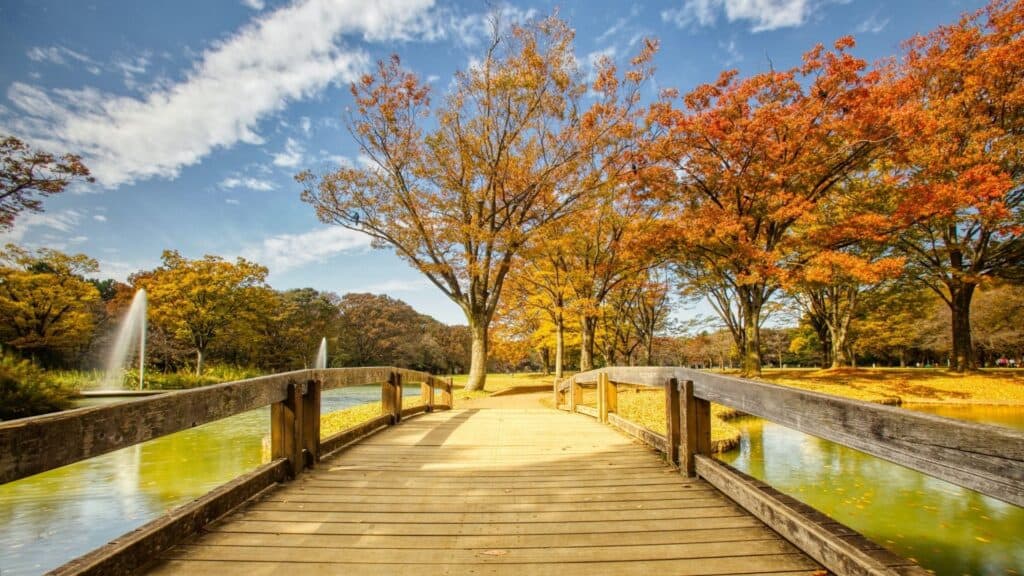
(30, 446)
(985, 458)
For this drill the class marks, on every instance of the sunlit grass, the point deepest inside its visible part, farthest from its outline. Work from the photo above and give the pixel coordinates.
(154, 380)
(339, 420)
(912, 385)
(496, 382)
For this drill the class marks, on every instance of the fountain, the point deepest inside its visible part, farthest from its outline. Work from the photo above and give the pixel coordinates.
(321, 356)
(131, 337)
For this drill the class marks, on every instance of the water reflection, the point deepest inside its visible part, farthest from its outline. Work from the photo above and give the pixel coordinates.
(948, 529)
(50, 518)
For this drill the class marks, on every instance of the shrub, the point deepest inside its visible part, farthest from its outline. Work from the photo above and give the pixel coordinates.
(25, 391)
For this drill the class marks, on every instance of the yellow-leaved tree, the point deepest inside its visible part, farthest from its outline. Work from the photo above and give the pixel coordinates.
(502, 162)
(196, 300)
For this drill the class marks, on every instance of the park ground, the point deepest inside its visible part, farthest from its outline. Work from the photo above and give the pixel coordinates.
(882, 385)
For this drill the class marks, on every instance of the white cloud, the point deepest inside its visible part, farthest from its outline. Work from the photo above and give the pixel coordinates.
(305, 124)
(247, 182)
(392, 286)
(732, 53)
(99, 217)
(119, 269)
(872, 25)
(61, 221)
(291, 156)
(56, 55)
(762, 14)
(232, 201)
(282, 56)
(472, 29)
(286, 251)
(256, 5)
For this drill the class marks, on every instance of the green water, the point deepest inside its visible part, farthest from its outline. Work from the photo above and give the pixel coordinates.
(53, 517)
(948, 529)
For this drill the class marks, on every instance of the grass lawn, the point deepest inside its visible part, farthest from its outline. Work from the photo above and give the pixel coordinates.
(909, 385)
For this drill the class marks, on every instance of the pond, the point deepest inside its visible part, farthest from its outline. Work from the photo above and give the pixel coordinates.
(53, 517)
(948, 529)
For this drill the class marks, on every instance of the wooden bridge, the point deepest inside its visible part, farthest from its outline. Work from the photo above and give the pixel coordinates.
(436, 490)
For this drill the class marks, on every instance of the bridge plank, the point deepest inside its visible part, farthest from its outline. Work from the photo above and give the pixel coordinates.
(495, 491)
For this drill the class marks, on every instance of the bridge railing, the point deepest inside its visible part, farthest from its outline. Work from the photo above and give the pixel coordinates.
(30, 446)
(980, 457)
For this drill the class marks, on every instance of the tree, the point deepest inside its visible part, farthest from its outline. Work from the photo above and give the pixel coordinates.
(195, 300)
(459, 201)
(747, 160)
(26, 174)
(377, 330)
(959, 109)
(46, 304)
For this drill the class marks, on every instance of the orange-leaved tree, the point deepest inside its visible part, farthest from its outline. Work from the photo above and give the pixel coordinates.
(959, 110)
(458, 200)
(744, 161)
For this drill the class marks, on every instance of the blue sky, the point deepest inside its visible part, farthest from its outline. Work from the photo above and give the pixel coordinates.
(194, 115)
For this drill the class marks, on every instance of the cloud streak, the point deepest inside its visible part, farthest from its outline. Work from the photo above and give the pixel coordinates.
(284, 252)
(764, 15)
(282, 56)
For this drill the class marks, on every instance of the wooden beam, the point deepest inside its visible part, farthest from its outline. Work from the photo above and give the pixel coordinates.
(32, 445)
(673, 435)
(612, 396)
(427, 395)
(132, 551)
(446, 394)
(349, 435)
(602, 398)
(645, 435)
(809, 530)
(310, 444)
(695, 425)
(981, 457)
(396, 389)
(286, 430)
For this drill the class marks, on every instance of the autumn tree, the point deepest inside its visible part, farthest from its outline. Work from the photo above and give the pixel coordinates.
(27, 175)
(959, 109)
(377, 330)
(744, 161)
(195, 300)
(458, 200)
(46, 304)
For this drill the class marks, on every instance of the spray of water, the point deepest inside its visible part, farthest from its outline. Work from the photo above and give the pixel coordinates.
(321, 356)
(131, 340)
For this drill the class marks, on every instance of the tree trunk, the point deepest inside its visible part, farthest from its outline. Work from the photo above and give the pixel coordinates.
(840, 358)
(751, 351)
(960, 308)
(903, 358)
(478, 358)
(588, 326)
(559, 347)
(545, 356)
(199, 361)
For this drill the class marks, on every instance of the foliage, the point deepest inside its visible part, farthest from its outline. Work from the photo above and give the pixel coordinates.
(957, 100)
(26, 174)
(749, 159)
(45, 303)
(196, 299)
(510, 155)
(26, 391)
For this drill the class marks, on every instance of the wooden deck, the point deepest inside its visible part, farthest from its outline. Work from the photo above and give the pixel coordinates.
(491, 491)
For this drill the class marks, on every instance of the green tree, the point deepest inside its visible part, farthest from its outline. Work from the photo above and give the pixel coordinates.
(195, 300)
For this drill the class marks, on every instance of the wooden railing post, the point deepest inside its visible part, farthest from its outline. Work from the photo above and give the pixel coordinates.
(427, 394)
(602, 398)
(557, 399)
(576, 390)
(311, 423)
(611, 400)
(396, 397)
(446, 394)
(286, 429)
(672, 420)
(695, 416)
